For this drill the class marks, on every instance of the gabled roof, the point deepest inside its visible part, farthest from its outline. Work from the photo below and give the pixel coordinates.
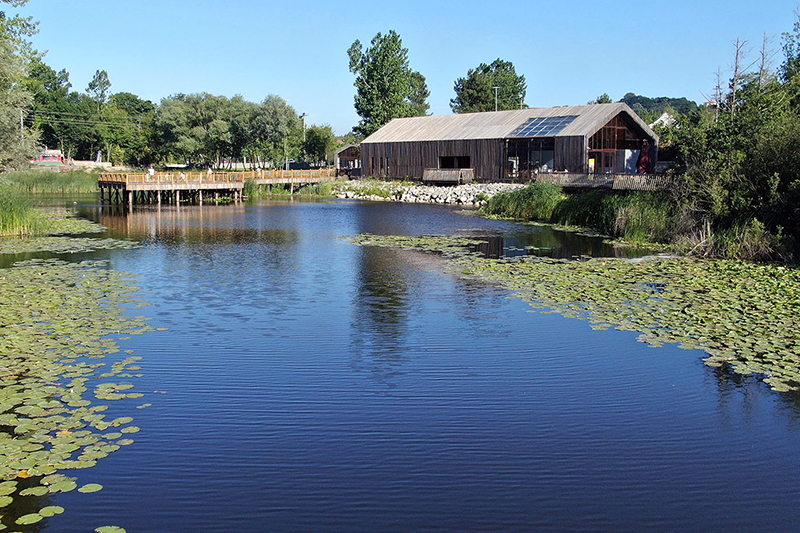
(502, 124)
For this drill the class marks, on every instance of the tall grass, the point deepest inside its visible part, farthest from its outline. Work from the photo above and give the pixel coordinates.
(319, 189)
(640, 217)
(18, 215)
(636, 217)
(254, 191)
(48, 181)
(537, 201)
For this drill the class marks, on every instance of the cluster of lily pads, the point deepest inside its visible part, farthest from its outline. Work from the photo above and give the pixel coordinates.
(62, 245)
(744, 315)
(65, 223)
(58, 321)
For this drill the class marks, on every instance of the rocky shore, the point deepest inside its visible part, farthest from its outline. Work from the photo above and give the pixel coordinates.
(473, 194)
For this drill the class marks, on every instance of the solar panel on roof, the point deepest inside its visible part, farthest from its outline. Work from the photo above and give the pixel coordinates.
(543, 126)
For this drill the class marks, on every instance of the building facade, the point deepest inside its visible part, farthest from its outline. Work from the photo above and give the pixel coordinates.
(514, 145)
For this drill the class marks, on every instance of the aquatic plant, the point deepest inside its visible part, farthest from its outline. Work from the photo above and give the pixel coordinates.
(18, 215)
(48, 181)
(744, 315)
(59, 320)
(537, 201)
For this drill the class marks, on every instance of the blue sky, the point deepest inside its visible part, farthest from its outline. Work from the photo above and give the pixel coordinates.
(569, 51)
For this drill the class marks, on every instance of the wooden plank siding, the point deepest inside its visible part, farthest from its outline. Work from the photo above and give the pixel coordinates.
(570, 153)
(410, 159)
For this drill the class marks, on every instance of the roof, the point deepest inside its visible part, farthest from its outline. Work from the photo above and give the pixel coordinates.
(347, 147)
(588, 119)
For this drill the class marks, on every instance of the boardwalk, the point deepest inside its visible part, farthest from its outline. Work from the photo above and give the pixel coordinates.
(197, 187)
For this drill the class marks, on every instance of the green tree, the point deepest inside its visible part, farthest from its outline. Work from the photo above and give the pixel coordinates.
(602, 99)
(418, 95)
(476, 92)
(99, 86)
(278, 133)
(320, 143)
(50, 91)
(17, 141)
(386, 87)
(196, 127)
(132, 122)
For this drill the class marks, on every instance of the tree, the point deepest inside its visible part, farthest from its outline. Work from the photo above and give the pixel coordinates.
(477, 91)
(418, 95)
(196, 127)
(386, 87)
(602, 99)
(99, 86)
(320, 143)
(278, 130)
(17, 141)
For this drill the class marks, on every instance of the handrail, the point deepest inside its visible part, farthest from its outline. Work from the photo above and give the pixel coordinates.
(213, 177)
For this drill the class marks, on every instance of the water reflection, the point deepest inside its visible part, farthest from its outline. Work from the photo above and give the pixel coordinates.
(380, 312)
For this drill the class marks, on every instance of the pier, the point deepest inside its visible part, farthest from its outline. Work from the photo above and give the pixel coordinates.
(198, 187)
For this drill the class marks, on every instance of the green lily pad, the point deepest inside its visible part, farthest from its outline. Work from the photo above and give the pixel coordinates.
(35, 491)
(63, 486)
(51, 510)
(90, 487)
(28, 519)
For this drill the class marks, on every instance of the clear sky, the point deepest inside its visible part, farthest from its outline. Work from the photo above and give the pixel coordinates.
(569, 51)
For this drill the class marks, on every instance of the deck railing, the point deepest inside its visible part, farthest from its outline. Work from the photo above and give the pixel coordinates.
(214, 177)
(617, 182)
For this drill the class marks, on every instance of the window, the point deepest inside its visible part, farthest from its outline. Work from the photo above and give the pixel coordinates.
(453, 161)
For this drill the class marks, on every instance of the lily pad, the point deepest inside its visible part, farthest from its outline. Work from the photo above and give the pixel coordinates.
(51, 510)
(28, 519)
(90, 487)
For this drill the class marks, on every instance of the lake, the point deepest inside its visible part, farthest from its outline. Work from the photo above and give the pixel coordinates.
(307, 384)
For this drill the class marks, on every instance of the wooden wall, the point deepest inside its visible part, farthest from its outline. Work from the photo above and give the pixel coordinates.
(570, 153)
(410, 159)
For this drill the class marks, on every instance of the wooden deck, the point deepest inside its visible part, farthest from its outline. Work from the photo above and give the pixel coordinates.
(197, 187)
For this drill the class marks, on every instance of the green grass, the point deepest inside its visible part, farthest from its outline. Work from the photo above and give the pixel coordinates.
(48, 181)
(537, 201)
(638, 217)
(18, 215)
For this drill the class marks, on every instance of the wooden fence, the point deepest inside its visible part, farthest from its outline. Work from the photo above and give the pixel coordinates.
(617, 182)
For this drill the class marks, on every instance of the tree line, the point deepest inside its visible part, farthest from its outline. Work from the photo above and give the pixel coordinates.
(201, 129)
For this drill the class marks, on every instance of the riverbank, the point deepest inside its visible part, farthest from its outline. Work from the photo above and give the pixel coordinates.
(473, 194)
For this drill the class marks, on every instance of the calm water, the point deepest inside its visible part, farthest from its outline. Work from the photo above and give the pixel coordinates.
(309, 385)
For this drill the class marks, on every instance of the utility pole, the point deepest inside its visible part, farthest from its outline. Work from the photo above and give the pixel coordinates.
(303, 116)
(495, 97)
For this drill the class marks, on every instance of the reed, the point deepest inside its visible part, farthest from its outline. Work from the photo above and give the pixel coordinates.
(18, 215)
(48, 181)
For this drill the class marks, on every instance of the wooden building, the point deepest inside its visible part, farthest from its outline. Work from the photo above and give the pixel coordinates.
(514, 145)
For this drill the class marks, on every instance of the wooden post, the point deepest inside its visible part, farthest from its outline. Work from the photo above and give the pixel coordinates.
(200, 196)
(130, 199)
